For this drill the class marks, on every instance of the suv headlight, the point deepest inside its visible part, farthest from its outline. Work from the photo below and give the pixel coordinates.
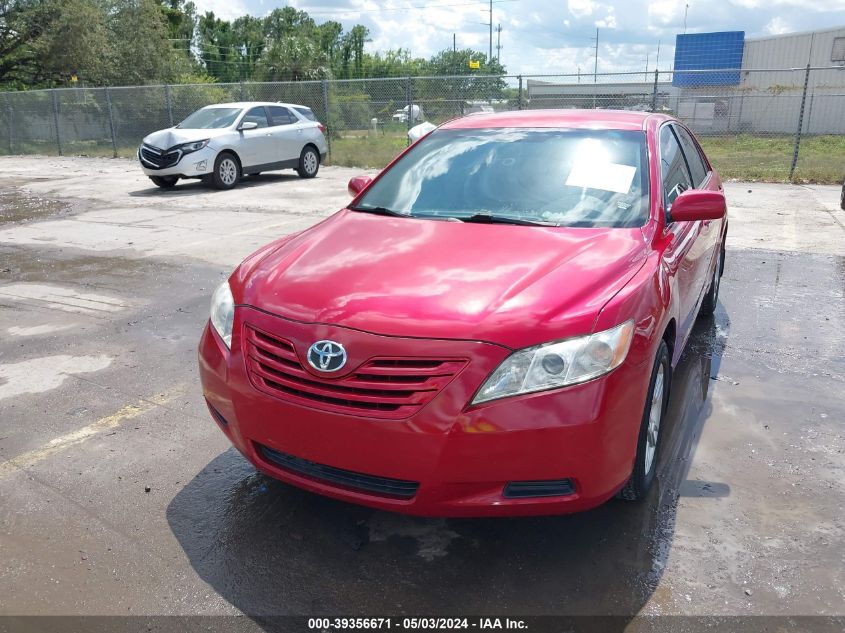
(223, 312)
(553, 365)
(196, 146)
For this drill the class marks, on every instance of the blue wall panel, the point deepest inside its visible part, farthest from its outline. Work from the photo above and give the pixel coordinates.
(708, 51)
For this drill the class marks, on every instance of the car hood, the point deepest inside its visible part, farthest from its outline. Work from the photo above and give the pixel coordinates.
(511, 285)
(165, 139)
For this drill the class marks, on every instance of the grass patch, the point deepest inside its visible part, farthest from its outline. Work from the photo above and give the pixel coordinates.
(373, 151)
(821, 159)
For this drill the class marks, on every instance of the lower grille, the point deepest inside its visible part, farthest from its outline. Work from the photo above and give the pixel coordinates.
(381, 486)
(546, 488)
(159, 159)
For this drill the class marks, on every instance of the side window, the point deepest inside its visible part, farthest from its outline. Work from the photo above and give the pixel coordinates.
(673, 167)
(256, 115)
(280, 116)
(694, 160)
(307, 113)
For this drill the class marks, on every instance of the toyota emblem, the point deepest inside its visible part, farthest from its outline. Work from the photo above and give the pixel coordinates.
(326, 356)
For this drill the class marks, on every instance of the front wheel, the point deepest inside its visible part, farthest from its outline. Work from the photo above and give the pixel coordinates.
(708, 306)
(309, 163)
(165, 182)
(648, 440)
(227, 171)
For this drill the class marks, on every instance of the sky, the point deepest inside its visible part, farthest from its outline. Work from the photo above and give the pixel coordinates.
(554, 36)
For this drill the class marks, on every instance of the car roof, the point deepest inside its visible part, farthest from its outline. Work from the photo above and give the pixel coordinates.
(250, 104)
(572, 119)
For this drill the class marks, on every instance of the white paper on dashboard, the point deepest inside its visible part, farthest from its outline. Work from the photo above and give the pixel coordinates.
(604, 176)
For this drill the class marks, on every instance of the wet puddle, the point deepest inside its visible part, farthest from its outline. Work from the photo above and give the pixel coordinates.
(17, 207)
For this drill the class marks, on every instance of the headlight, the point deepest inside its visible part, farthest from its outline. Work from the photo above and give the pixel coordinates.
(223, 312)
(558, 364)
(187, 148)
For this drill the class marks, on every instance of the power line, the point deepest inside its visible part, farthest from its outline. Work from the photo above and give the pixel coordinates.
(406, 8)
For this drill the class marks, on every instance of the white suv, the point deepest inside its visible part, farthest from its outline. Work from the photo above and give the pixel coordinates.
(220, 143)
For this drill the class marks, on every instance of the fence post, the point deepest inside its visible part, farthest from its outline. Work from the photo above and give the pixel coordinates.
(654, 92)
(11, 127)
(800, 123)
(111, 124)
(519, 102)
(167, 100)
(324, 85)
(243, 91)
(56, 120)
(409, 101)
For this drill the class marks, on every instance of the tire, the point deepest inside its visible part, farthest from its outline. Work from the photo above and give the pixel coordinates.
(309, 162)
(648, 439)
(708, 306)
(165, 182)
(227, 171)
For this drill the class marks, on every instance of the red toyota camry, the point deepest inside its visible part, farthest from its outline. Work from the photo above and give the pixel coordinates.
(490, 326)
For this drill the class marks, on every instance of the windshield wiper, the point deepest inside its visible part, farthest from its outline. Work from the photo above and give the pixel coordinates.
(380, 211)
(486, 218)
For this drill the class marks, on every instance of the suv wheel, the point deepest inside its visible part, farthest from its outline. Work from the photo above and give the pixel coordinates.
(227, 171)
(309, 163)
(165, 182)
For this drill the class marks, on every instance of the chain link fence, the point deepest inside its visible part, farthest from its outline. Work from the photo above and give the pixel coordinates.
(754, 124)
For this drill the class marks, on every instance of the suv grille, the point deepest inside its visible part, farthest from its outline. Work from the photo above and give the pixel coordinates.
(389, 388)
(381, 486)
(155, 158)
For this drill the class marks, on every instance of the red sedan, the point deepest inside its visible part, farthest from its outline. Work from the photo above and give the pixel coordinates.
(490, 326)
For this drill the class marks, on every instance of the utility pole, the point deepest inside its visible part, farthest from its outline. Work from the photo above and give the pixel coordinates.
(657, 63)
(499, 43)
(686, 10)
(490, 56)
(596, 69)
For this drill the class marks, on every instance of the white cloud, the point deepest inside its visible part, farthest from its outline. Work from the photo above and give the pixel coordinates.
(581, 8)
(551, 36)
(777, 26)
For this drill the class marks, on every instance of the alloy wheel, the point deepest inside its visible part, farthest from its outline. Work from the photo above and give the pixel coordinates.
(655, 416)
(228, 171)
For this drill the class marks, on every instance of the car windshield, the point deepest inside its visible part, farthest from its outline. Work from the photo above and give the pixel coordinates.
(210, 119)
(574, 178)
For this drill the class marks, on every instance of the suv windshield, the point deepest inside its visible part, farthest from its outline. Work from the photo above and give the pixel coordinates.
(576, 178)
(210, 118)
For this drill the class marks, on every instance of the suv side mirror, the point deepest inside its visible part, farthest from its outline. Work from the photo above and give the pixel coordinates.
(358, 184)
(248, 125)
(698, 204)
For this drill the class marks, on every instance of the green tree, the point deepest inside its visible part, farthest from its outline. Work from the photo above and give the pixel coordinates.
(292, 58)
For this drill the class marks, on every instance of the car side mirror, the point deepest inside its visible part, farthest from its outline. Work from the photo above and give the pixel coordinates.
(698, 204)
(358, 184)
(248, 125)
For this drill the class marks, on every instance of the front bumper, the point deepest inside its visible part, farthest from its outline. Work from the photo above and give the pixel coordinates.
(192, 165)
(460, 458)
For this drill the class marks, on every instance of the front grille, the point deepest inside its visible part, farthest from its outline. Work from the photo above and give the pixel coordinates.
(389, 388)
(545, 488)
(381, 486)
(155, 158)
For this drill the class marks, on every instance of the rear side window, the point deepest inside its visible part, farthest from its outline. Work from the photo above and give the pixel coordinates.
(694, 160)
(256, 115)
(673, 167)
(281, 116)
(307, 113)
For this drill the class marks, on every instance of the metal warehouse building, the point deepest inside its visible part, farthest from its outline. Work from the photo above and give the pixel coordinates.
(723, 82)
